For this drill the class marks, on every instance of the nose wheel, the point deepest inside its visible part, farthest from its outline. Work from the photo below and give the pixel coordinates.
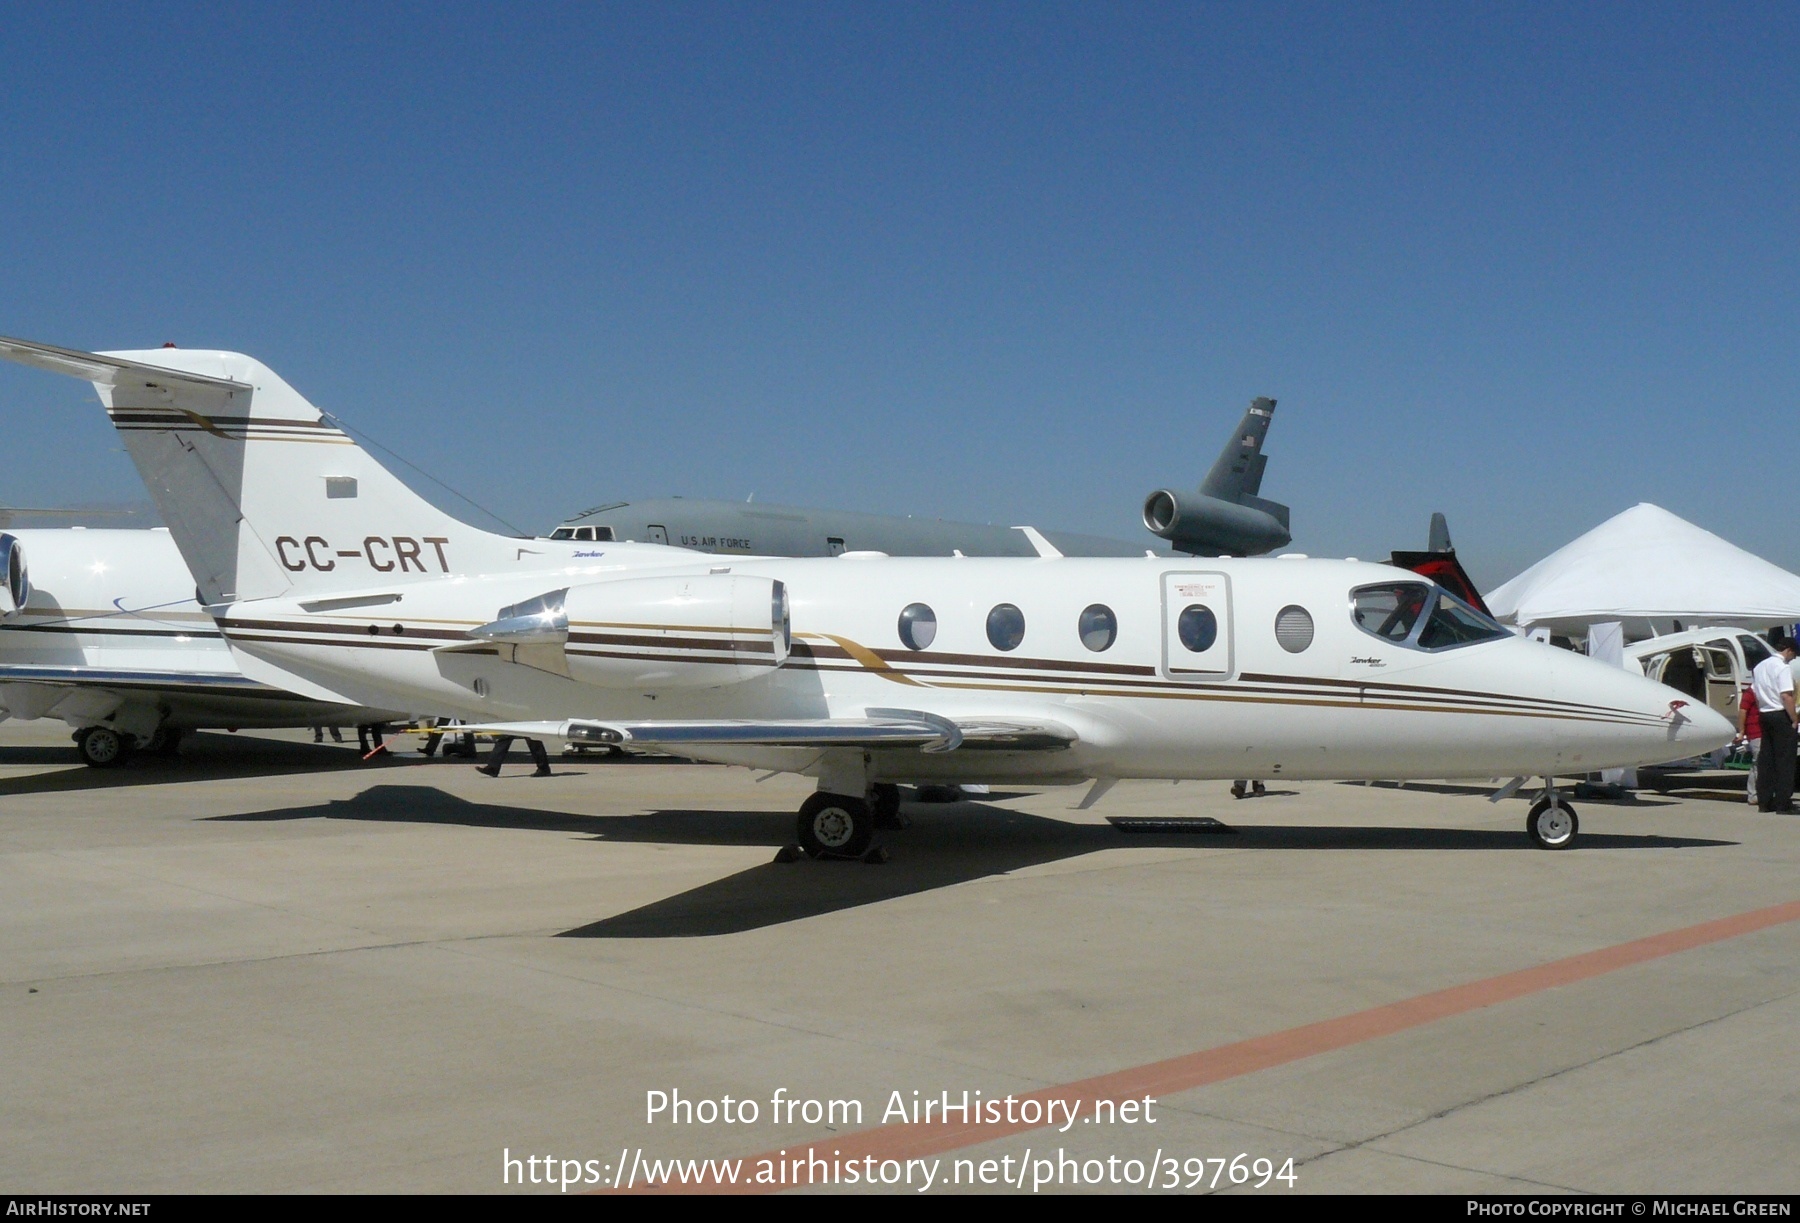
(1552, 823)
(835, 826)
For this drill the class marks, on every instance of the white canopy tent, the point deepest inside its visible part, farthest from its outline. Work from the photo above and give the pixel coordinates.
(1645, 568)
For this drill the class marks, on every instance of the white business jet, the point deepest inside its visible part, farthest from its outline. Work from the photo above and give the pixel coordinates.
(102, 629)
(332, 579)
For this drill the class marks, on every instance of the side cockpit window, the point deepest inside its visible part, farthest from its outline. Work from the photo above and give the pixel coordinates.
(1420, 617)
(1389, 611)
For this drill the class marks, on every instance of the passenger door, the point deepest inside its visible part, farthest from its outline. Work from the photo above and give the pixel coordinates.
(1721, 680)
(1197, 643)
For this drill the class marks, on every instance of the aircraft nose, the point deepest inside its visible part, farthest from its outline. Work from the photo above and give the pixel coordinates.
(1631, 720)
(1705, 725)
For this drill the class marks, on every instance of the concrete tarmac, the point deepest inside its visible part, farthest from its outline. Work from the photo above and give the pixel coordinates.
(269, 967)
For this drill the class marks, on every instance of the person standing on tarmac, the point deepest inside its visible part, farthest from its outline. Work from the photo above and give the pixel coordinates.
(1750, 726)
(1773, 683)
(498, 757)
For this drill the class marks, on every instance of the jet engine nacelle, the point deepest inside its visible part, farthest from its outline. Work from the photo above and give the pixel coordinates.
(1204, 525)
(704, 631)
(16, 589)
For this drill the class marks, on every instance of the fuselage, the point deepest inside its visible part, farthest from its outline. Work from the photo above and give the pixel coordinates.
(1344, 702)
(745, 529)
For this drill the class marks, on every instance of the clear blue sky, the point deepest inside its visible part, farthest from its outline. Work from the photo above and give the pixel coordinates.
(1524, 263)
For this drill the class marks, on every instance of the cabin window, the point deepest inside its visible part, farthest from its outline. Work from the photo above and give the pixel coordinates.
(1006, 627)
(1098, 627)
(1294, 628)
(918, 626)
(1198, 628)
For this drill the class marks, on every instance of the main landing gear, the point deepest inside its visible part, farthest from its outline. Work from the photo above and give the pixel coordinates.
(841, 826)
(836, 826)
(102, 747)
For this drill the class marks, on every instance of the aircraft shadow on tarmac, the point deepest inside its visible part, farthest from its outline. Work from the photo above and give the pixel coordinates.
(948, 844)
(204, 757)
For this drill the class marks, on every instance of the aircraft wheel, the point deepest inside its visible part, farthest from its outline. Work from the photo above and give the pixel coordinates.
(835, 826)
(886, 805)
(102, 747)
(1552, 824)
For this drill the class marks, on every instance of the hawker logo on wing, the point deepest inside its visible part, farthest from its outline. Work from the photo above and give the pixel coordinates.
(383, 553)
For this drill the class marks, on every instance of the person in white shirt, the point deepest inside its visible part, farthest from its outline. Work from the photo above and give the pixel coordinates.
(1773, 683)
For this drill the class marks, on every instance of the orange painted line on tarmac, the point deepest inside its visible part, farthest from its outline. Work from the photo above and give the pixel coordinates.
(1191, 1070)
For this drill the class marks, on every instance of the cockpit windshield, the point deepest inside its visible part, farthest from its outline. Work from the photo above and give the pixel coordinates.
(1420, 617)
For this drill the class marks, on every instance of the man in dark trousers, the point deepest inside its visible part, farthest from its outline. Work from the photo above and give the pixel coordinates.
(1773, 683)
(503, 744)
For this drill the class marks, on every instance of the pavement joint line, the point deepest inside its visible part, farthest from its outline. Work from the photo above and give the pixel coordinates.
(142, 969)
(1438, 1163)
(117, 868)
(1220, 1063)
(467, 947)
(1549, 1076)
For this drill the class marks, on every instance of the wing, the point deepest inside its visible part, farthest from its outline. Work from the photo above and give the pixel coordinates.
(880, 728)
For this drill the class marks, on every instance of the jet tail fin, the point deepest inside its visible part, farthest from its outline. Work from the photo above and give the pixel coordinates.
(264, 495)
(1439, 563)
(1238, 471)
(1440, 535)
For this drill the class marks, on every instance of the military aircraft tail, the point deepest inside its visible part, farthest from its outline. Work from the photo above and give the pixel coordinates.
(1438, 562)
(1226, 516)
(265, 495)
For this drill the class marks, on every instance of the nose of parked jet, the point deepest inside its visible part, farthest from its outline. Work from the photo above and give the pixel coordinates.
(1618, 718)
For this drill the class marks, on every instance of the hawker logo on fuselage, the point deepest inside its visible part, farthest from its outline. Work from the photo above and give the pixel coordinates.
(383, 553)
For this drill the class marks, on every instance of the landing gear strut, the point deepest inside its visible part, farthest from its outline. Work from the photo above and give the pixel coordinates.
(884, 797)
(165, 742)
(835, 826)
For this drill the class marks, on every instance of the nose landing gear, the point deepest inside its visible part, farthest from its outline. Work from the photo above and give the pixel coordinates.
(1552, 823)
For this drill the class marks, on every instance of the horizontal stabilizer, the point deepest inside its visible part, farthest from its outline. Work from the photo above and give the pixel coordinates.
(179, 388)
(1273, 509)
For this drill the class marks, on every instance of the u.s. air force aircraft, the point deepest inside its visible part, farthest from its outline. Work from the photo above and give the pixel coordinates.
(1224, 518)
(332, 579)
